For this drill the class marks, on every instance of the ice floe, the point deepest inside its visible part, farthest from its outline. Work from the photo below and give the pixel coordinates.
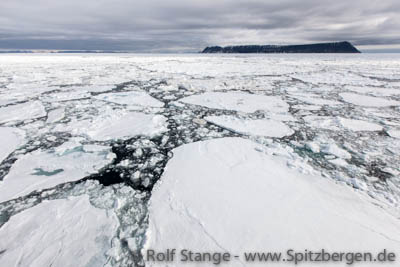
(338, 123)
(21, 112)
(228, 195)
(238, 101)
(117, 125)
(63, 232)
(262, 127)
(45, 169)
(131, 98)
(369, 101)
(10, 139)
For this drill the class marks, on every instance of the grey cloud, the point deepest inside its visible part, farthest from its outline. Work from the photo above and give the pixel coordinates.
(177, 25)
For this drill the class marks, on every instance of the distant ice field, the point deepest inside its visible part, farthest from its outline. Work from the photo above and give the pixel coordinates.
(125, 152)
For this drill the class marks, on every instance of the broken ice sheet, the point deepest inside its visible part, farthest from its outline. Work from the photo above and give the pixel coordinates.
(21, 112)
(45, 169)
(212, 189)
(63, 232)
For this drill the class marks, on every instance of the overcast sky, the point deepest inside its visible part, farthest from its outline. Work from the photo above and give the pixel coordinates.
(190, 25)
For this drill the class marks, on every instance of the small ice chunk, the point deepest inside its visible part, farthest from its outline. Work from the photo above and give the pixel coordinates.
(55, 115)
(394, 133)
(335, 150)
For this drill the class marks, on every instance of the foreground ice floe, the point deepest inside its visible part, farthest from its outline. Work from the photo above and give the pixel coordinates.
(229, 195)
(264, 127)
(45, 169)
(64, 232)
(10, 139)
(21, 112)
(243, 102)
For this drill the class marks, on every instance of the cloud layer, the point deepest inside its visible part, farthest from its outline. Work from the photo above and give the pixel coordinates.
(177, 25)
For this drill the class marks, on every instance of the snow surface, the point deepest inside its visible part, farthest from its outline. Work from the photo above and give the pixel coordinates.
(338, 123)
(228, 195)
(117, 125)
(68, 232)
(55, 115)
(265, 127)
(238, 101)
(45, 169)
(20, 112)
(369, 101)
(11, 138)
(131, 98)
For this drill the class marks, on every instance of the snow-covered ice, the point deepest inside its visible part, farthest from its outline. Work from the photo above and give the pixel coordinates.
(21, 112)
(369, 101)
(118, 126)
(228, 195)
(131, 98)
(338, 123)
(243, 102)
(45, 169)
(263, 127)
(64, 232)
(10, 139)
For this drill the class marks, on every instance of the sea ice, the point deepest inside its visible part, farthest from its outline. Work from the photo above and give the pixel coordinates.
(10, 139)
(117, 125)
(55, 115)
(45, 169)
(21, 112)
(238, 101)
(338, 123)
(369, 101)
(63, 232)
(131, 98)
(228, 195)
(263, 127)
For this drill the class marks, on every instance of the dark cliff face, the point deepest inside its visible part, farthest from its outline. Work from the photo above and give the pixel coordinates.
(339, 47)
